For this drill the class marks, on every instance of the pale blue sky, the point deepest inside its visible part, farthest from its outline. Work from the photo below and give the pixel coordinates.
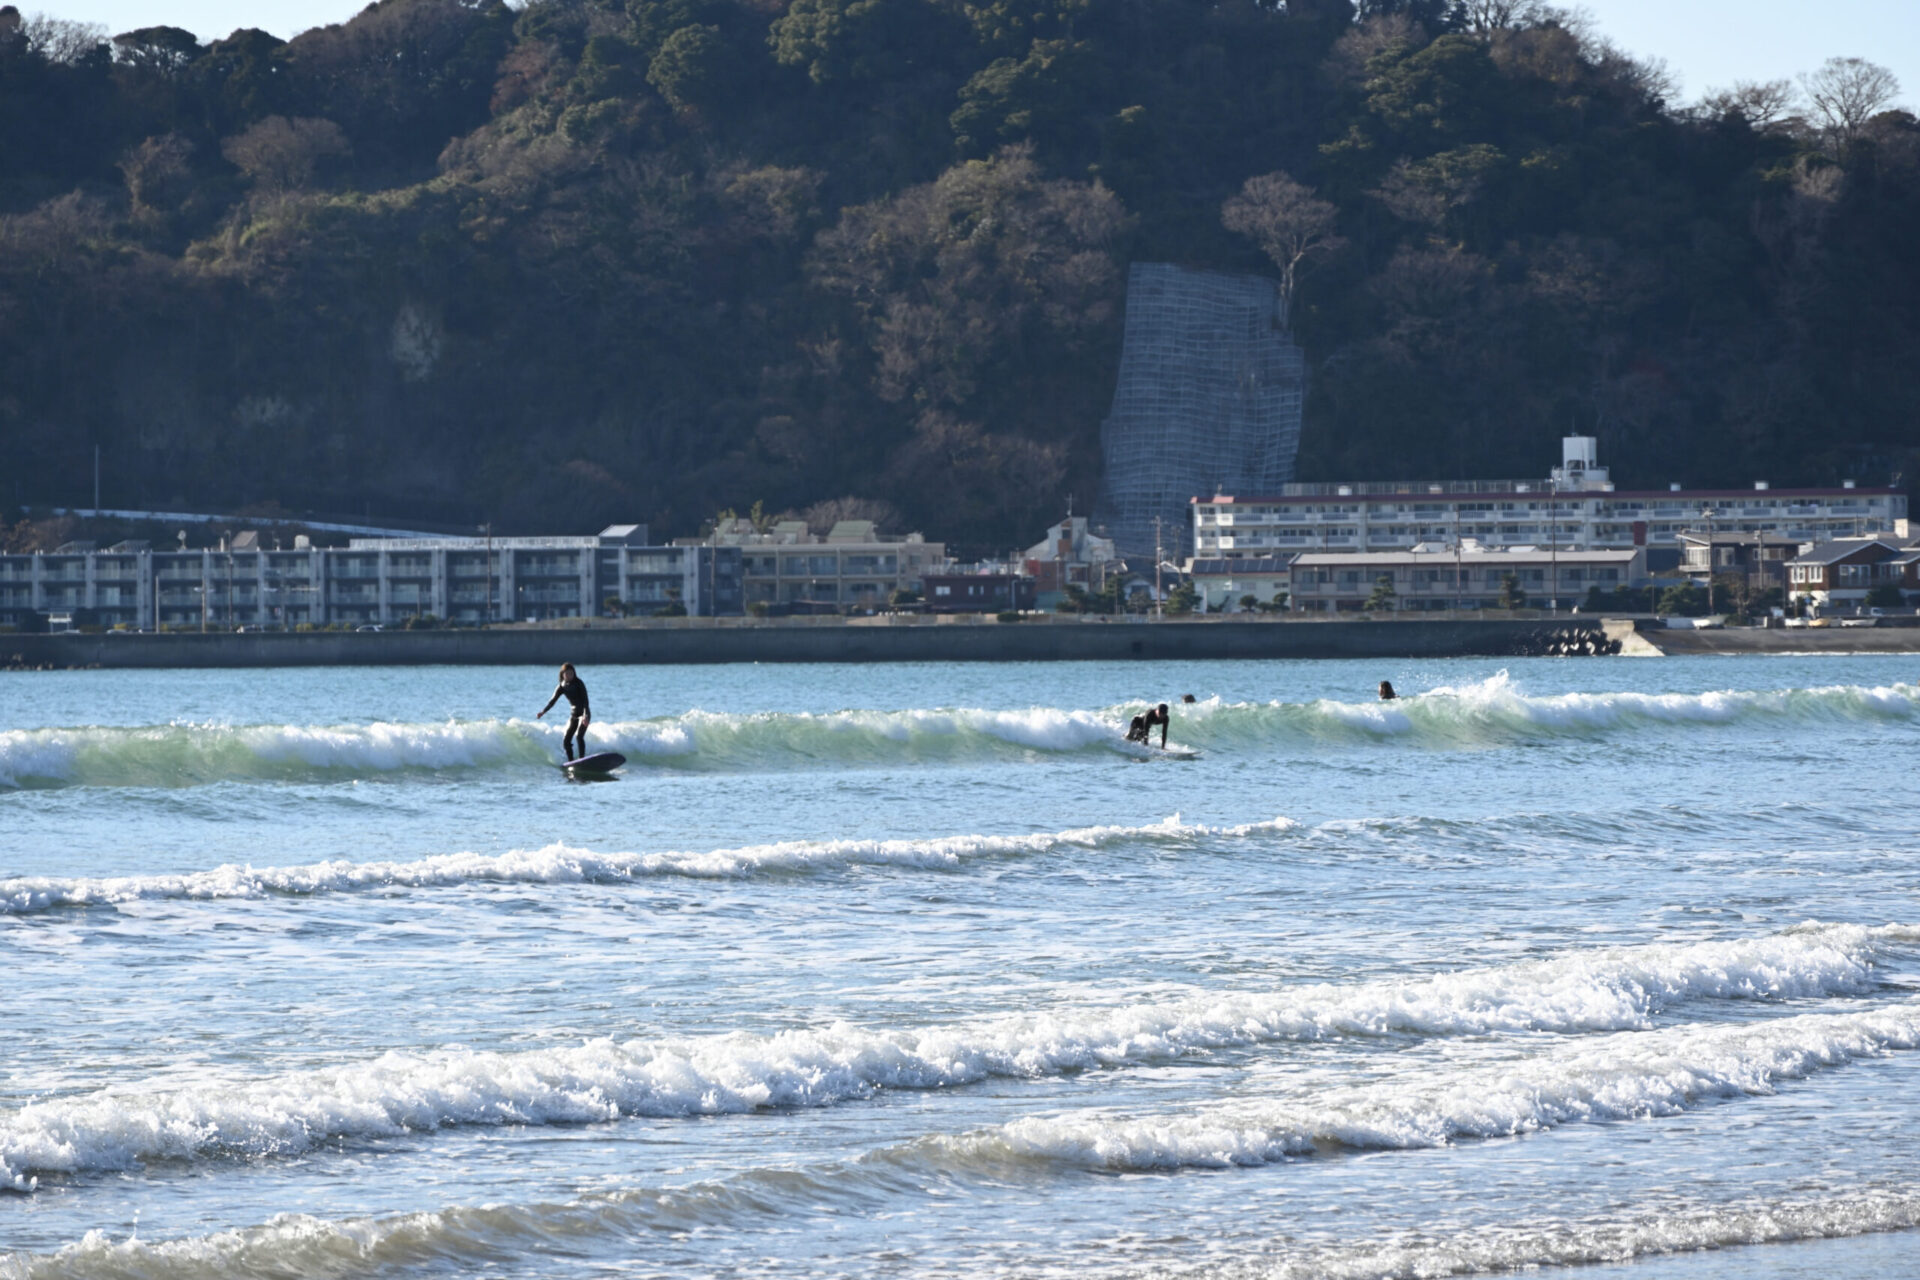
(1709, 43)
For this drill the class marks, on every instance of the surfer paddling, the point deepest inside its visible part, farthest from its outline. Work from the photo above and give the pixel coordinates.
(1143, 725)
(574, 690)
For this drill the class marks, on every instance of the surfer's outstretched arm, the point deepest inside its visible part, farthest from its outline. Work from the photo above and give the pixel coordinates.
(550, 701)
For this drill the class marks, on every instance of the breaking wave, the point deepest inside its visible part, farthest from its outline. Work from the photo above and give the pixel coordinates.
(1495, 709)
(1607, 990)
(304, 1245)
(1533, 1246)
(560, 864)
(1487, 711)
(1626, 1076)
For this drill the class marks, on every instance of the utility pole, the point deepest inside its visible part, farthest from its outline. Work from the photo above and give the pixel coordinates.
(487, 529)
(96, 480)
(1553, 543)
(1707, 515)
(1456, 555)
(1159, 610)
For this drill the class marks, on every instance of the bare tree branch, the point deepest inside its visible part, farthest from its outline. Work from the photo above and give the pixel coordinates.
(1848, 92)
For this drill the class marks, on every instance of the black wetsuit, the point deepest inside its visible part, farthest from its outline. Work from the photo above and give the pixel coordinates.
(575, 692)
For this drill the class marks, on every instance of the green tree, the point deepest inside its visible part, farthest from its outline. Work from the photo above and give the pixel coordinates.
(1383, 597)
(1886, 596)
(1183, 598)
(1511, 596)
(694, 69)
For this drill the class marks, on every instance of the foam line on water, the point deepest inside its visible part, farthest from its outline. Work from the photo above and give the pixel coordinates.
(603, 1079)
(308, 1246)
(1623, 1076)
(1490, 710)
(1497, 709)
(562, 864)
(1532, 1246)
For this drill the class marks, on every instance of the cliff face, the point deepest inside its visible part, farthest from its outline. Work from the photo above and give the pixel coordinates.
(599, 259)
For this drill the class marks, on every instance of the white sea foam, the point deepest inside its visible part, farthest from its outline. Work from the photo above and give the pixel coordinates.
(1488, 710)
(603, 1079)
(1623, 1076)
(183, 754)
(1524, 1247)
(561, 864)
(307, 1246)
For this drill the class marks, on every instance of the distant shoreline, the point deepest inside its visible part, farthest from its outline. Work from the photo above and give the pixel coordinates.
(710, 641)
(750, 640)
(1678, 642)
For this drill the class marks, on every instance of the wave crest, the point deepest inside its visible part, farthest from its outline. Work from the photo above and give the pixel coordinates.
(1603, 991)
(1487, 711)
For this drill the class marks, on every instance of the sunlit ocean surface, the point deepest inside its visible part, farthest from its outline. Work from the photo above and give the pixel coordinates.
(1602, 964)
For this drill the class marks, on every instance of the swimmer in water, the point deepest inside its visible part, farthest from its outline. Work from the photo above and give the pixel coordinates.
(1386, 691)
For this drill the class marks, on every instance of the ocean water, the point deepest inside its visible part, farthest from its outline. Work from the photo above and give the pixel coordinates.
(1605, 965)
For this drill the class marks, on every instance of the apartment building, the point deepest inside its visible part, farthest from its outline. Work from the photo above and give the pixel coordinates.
(1436, 576)
(371, 581)
(1575, 506)
(851, 566)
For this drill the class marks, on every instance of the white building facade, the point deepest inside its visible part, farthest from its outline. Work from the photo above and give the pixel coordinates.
(1576, 506)
(371, 581)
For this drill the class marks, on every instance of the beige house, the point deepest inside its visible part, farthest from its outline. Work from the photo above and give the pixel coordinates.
(852, 566)
(1468, 576)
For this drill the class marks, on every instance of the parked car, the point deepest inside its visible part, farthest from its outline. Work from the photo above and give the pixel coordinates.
(369, 626)
(1859, 622)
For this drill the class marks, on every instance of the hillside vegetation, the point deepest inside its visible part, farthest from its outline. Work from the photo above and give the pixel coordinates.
(581, 260)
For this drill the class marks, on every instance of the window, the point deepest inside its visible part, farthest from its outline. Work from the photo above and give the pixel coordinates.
(943, 591)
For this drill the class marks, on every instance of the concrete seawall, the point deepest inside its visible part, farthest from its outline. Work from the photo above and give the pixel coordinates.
(987, 642)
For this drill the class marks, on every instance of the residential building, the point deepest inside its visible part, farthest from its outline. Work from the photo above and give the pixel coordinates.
(1837, 576)
(1070, 555)
(371, 581)
(1222, 584)
(1760, 558)
(1463, 576)
(1575, 506)
(851, 566)
(993, 592)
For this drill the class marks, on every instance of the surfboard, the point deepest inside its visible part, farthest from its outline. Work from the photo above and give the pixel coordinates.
(600, 762)
(1144, 751)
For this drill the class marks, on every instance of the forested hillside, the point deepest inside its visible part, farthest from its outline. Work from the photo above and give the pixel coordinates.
(557, 264)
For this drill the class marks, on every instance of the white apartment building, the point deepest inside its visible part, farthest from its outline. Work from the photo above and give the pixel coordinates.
(371, 581)
(1576, 506)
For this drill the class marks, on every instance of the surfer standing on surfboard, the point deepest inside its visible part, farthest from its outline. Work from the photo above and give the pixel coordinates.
(574, 689)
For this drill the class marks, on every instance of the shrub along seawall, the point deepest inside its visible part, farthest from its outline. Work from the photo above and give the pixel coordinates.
(771, 642)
